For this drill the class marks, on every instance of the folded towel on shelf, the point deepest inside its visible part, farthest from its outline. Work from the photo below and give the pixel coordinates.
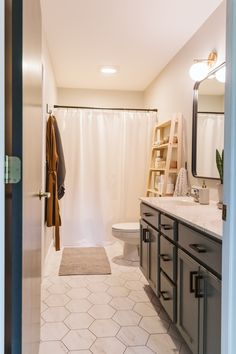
(181, 186)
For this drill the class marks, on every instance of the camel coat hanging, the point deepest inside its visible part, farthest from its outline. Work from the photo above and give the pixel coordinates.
(55, 176)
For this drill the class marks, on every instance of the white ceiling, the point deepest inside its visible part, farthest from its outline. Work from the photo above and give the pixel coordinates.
(139, 36)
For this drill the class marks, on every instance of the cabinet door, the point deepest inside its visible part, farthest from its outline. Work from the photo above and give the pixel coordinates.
(153, 261)
(210, 315)
(143, 252)
(188, 304)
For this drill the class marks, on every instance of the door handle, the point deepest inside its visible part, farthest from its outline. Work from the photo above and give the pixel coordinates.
(43, 195)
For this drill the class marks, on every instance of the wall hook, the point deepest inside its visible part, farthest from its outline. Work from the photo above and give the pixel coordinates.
(49, 111)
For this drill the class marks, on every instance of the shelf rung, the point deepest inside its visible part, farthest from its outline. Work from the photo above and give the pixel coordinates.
(171, 170)
(163, 146)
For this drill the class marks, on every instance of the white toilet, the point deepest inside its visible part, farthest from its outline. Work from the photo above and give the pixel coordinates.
(129, 234)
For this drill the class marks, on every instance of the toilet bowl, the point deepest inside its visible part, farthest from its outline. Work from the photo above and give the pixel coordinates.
(129, 234)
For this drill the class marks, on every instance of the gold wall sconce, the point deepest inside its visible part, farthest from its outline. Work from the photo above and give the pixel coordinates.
(201, 67)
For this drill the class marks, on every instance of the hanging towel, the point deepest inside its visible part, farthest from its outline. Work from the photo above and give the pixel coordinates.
(181, 186)
(52, 204)
(61, 169)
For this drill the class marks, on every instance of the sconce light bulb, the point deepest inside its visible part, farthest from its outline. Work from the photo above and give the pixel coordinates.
(220, 75)
(198, 71)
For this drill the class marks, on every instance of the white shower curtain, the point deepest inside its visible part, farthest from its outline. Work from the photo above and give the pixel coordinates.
(210, 136)
(107, 156)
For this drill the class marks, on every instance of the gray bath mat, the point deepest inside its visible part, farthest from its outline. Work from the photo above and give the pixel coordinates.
(84, 260)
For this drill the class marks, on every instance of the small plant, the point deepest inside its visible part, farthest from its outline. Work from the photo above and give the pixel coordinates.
(220, 164)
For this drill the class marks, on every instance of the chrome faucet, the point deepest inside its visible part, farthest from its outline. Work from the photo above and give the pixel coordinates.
(195, 194)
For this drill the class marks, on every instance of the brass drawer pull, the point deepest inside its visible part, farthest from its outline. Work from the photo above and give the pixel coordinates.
(197, 248)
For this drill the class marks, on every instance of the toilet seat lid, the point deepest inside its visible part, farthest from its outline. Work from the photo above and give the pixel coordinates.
(127, 226)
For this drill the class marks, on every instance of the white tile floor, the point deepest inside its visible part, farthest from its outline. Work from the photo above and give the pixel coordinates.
(104, 314)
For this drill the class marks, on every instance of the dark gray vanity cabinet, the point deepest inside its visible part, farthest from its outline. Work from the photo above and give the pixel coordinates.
(188, 303)
(168, 264)
(199, 291)
(149, 246)
(183, 266)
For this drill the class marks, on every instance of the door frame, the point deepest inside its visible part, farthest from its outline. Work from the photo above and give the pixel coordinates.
(229, 228)
(2, 167)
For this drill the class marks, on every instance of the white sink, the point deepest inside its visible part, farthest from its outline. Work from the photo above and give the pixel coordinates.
(179, 202)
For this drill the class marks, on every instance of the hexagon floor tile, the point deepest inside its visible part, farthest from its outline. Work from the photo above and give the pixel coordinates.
(80, 293)
(163, 343)
(57, 300)
(58, 288)
(107, 346)
(78, 305)
(97, 287)
(99, 298)
(52, 347)
(145, 309)
(79, 339)
(53, 331)
(134, 285)
(154, 325)
(138, 350)
(139, 296)
(132, 335)
(104, 328)
(126, 318)
(101, 311)
(103, 314)
(118, 291)
(79, 320)
(80, 352)
(55, 314)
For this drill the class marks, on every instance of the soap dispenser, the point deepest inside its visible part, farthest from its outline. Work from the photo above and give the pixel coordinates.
(204, 194)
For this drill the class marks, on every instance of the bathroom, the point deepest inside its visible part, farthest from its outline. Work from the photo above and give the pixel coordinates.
(119, 312)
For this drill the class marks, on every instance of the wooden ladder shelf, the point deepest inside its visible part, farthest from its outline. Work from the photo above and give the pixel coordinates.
(165, 157)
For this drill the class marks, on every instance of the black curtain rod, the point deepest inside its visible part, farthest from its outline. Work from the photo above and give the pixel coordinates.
(111, 109)
(212, 112)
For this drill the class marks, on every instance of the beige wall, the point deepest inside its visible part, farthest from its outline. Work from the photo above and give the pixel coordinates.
(50, 98)
(172, 90)
(211, 103)
(100, 98)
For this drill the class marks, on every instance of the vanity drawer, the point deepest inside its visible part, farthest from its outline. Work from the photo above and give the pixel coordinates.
(168, 258)
(201, 247)
(168, 227)
(149, 214)
(168, 296)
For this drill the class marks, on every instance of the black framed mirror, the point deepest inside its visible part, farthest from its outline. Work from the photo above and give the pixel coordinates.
(208, 124)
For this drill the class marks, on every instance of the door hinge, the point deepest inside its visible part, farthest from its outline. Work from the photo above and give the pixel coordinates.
(12, 169)
(224, 212)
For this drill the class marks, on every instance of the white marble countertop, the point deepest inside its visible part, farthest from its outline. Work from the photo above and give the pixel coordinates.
(207, 218)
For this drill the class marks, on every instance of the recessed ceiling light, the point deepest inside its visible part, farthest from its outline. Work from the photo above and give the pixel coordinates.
(108, 69)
